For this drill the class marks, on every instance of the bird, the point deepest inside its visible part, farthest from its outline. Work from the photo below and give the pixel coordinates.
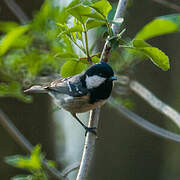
(82, 92)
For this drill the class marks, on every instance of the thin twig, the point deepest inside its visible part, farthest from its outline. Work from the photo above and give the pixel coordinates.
(18, 12)
(155, 102)
(94, 115)
(168, 4)
(25, 144)
(144, 123)
(70, 168)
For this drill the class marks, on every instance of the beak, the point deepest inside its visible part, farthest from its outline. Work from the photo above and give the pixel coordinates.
(113, 78)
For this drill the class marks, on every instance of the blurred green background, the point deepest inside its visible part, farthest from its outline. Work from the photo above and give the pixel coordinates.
(123, 150)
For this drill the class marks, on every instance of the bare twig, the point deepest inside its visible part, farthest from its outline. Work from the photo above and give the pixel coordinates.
(18, 12)
(155, 102)
(144, 123)
(168, 4)
(70, 168)
(25, 144)
(94, 115)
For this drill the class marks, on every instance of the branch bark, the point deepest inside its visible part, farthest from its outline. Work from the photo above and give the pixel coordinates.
(94, 115)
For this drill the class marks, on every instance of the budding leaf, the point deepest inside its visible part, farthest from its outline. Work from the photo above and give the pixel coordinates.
(80, 12)
(94, 23)
(103, 7)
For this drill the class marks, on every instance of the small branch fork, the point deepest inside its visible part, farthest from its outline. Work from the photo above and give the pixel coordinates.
(94, 115)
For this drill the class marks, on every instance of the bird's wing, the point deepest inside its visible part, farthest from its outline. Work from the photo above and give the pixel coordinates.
(71, 86)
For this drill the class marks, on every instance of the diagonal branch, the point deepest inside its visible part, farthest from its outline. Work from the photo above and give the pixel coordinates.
(144, 123)
(155, 102)
(168, 4)
(22, 141)
(152, 100)
(18, 12)
(94, 115)
(70, 168)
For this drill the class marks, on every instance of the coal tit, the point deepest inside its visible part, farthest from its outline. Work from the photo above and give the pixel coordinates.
(82, 92)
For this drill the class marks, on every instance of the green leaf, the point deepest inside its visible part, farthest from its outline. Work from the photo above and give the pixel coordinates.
(7, 26)
(140, 43)
(95, 15)
(30, 163)
(77, 4)
(74, 3)
(95, 59)
(160, 26)
(11, 37)
(36, 158)
(22, 42)
(103, 7)
(80, 12)
(13, 89)
(158, 57)
(71, 68)
(89, 2)
(76, 28)
(67, 55)
(94, 23)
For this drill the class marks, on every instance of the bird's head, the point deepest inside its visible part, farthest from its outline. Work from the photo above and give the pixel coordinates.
(98, 74)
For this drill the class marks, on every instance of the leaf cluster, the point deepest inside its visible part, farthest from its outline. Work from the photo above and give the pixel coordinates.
(57, 41)
(28, 51)
(137, 49)
(86, 15)
(42, 46)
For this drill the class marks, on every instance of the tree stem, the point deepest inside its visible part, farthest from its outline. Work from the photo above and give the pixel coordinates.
(94, 115)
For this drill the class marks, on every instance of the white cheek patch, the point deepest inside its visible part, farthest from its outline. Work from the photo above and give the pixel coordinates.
(94, 81)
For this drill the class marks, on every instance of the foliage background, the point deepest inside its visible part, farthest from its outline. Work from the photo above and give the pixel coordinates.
(124, 151)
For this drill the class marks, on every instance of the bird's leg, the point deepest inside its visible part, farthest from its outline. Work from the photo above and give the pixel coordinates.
(88, 129)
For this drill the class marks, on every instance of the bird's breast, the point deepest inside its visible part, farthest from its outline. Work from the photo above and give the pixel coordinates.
(75, 104)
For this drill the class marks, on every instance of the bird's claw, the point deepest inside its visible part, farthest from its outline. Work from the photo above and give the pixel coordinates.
(91, 130)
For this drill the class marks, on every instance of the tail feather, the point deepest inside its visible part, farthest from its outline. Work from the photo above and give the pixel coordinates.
(36, 89)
